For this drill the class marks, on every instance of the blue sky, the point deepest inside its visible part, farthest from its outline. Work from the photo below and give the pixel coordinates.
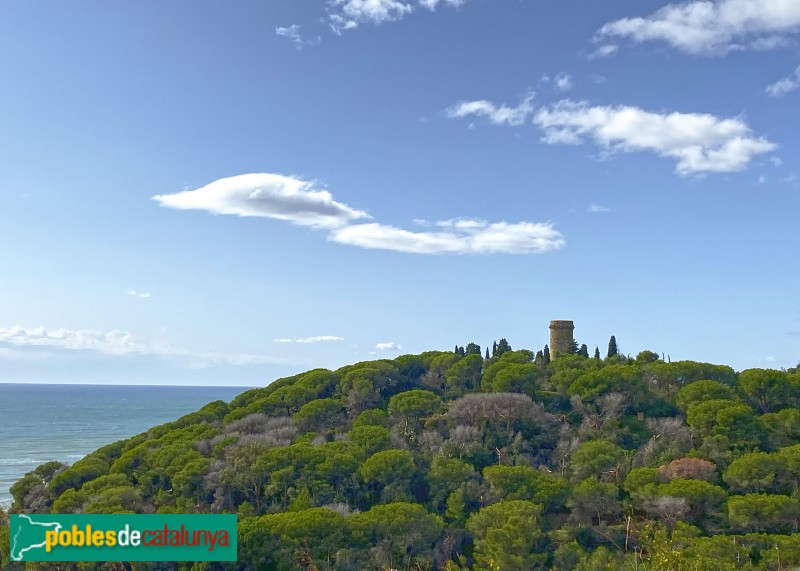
(218, 193)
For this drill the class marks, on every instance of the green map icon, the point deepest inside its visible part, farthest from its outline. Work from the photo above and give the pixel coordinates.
(29, 536)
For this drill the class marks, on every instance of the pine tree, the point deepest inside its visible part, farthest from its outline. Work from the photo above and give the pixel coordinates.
(612, 346)
(502, 347)
(597, 353)
(473, 349)
(584, 351)
(546, 355)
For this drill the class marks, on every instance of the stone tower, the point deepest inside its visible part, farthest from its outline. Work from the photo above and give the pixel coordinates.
(561, 337)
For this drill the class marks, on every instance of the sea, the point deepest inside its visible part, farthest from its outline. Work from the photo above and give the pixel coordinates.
(39, 423)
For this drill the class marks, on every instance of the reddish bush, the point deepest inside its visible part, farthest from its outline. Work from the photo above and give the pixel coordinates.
(689, 469)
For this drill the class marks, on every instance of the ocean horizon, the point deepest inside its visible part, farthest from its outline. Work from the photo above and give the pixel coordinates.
(65, 422)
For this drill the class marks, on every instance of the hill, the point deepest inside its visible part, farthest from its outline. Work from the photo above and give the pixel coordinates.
(450, 460)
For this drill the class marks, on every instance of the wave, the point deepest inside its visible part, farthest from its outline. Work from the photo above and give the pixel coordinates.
(22, 461)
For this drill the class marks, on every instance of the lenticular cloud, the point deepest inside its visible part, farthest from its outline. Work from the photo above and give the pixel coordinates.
(266, 195)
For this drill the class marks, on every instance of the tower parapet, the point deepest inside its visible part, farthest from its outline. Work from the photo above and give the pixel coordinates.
(561, 337)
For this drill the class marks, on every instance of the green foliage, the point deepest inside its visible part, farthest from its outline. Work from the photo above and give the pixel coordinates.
(598, 458)
(280, 541)
(732, 420)
(566, 369)
(31, 492)
(506, 536)
(701, 391)
(642, 481)
(512, 371)
(763, 512)
(500, 348)
(612, 378)
(444, 461)
(389, 471)
(755, 472)
(5, 540)
(705, 500)
(82, 471)
(473, 349)
(612, 347)
(464, 375)
(783, 427)
(680, 373)
(372, 417)
(369, 438)
(403, 534)
(594, 499)
(412, 406)
(319, 413)
(447, 475)
(646, 356)
(525, 483)
(767, 390)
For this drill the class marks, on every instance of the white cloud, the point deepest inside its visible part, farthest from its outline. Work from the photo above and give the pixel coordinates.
(119, 343)
(350, 14)
(462, 223)
(699, 143)
(460, 236)
(292, 33)
(266, 195)
(762, 179)
(432, 4)
(502, 115)
(785, 85)
(713, 27)
(306, 340)
(595, 208)
(139, 294)
(776, 161)
(563, 82)
(388, 346)
(285, 198)
(604, 51)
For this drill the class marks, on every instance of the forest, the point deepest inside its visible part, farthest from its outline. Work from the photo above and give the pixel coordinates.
(500, 460)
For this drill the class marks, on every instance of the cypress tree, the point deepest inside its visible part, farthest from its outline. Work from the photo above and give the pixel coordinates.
(494, 349)
(456, 349)
(584, 351)
(597, 352)
(612, 346)
(487, 353)
(546, 355)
